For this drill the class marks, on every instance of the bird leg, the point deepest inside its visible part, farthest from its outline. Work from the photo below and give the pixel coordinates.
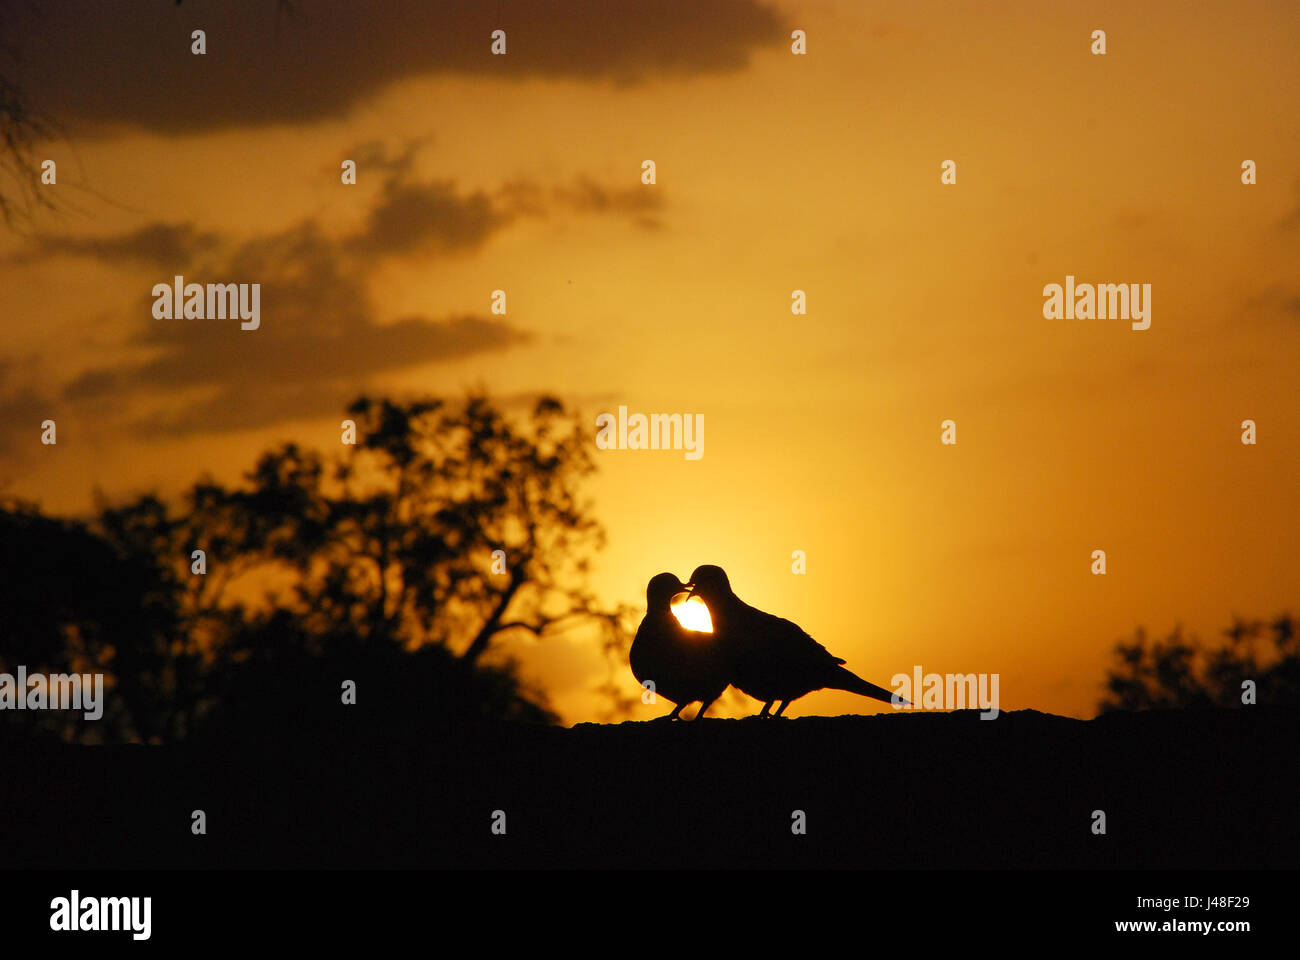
(703, 707)
(781, 709)
(766, 707)
(673, 716)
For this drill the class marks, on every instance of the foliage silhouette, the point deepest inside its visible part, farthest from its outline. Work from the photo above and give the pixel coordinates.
(375, 565)
(1180, 672)
(74, 600)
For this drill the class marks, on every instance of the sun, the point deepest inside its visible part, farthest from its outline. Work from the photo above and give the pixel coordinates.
(693, 615)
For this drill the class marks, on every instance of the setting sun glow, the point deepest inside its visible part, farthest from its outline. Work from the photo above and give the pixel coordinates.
(693, 615)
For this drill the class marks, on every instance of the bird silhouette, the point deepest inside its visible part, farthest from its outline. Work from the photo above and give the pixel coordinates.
(771, 659)
(684, 665)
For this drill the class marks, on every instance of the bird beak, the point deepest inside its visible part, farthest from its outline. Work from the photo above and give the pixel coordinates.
(690, 591)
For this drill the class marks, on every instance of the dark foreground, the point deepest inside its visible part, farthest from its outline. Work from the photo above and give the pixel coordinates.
(1182, 790)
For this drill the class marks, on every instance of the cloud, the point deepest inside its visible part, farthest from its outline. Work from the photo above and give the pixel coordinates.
(162, 245)
(22, 409)
(228, 411)
(587, 196)
(319, 338)
(407, 217)
(293, 63)
(1277, 300)
(432, 217)
(21, 413)
(301, 378)
(381, 157)
(412, 216)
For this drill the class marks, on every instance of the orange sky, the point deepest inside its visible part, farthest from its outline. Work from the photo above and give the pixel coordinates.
(775, 173)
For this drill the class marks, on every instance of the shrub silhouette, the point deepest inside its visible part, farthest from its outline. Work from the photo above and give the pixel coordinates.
(1180, 672)
(403, 561)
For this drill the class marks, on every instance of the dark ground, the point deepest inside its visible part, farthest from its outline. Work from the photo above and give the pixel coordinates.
(1206, 789)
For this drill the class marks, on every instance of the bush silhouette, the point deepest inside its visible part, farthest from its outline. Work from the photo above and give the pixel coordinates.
(403, 561)
(1180, 672)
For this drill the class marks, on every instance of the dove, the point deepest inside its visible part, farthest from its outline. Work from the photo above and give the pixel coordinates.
(684, 665)
(771, 659)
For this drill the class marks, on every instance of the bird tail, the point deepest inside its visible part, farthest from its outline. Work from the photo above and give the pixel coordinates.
(847, 680)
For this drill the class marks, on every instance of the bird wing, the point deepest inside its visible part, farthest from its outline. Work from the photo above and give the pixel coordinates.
(784, 638)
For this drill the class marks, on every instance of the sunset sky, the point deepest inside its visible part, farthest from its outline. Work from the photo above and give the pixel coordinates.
(775, 172)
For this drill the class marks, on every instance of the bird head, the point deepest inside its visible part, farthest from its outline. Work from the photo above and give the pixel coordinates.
(710, 583)
(661, 589)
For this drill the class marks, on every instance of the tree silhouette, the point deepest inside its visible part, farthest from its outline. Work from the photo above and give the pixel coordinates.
(21, 128)
(405, 560)
(75, 600)
(1180, 672)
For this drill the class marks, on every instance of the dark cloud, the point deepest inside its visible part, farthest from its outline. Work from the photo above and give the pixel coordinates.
(92, 385)
(163, 245)
(1275, 301)
(282, 352)
(274, 62)
(407, 217)
(318, 339)
(587, 196)
(229, 411)
(300, 376)
(375, 155)
(524, 198)
(410, 217)
(21, 413)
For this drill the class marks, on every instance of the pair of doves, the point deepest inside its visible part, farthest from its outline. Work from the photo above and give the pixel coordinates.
(762, 655)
